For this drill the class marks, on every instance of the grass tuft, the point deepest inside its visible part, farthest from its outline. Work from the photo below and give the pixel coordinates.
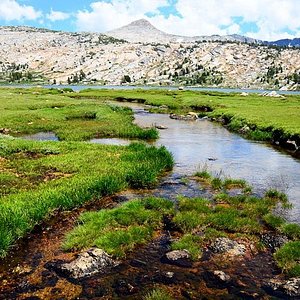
(288, 257)
(291, 230)
(191, 243)
(158, 294)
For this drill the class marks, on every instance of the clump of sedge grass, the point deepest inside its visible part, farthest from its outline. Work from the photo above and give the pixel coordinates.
(273, 221)
(119, 230)
(277, 196)
(288, 257)
(291, 230)
(191, 243)
(158, 294)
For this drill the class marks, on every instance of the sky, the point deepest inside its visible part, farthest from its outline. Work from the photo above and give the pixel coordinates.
(262, 19)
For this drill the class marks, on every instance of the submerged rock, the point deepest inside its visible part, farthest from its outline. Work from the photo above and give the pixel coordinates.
(161, 127)
(222, 276)
(274, 241)
(189, 117)
(88, 263)
(181, 258)
(289, 287)
(225, 245)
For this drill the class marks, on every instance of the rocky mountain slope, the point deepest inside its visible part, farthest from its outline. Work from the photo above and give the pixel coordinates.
(30, 54)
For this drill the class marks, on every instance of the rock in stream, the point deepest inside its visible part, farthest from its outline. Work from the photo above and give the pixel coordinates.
(91, 262)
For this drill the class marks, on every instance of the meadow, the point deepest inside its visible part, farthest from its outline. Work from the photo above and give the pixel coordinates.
(37, 178)
(40, 178)
(27, 111)
(267, 118)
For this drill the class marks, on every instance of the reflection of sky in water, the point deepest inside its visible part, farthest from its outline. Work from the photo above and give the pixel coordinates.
(192, 143)
(41, 136)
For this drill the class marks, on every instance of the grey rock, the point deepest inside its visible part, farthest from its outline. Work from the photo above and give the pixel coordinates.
(289, 287)
(291, 145)
(222, 276)
(225, 245)
(89, 263)
(181, 258)
(187, 117)
(245, 129)
(161, 127)
(274, 241)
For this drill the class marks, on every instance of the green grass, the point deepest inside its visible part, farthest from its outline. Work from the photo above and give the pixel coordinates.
(288, 257)
(291, 230)
(158, 294)
(64, 175)
(266, 117)
(191, 243)
(273, 221)
(217, 183)
(119, 230)
(203, 175)
(30, 111)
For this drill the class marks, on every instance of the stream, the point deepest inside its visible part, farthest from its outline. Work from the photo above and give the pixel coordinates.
(202, 143)
(27, 272)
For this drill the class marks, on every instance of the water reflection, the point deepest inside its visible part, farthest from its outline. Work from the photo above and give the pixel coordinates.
(41, 136)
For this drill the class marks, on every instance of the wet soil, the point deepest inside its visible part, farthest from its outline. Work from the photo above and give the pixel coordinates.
(27, 273)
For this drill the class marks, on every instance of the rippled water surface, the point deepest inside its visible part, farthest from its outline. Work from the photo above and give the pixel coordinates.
(198, 143)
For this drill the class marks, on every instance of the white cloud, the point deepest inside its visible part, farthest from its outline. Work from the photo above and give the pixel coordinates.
(11, 10)
(274, 18)
(105, 16)
(54, 16)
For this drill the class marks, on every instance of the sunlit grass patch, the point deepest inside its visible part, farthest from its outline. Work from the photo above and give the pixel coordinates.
(291, 230)
(288, 257)
(119, 230)
(273, 221)
(191, 243)
(79, 172)
(70, 119)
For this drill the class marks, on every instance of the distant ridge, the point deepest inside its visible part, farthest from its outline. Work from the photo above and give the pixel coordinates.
(286, 43)
(142, 31)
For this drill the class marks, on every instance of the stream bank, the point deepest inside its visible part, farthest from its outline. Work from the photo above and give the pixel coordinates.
(30, 272)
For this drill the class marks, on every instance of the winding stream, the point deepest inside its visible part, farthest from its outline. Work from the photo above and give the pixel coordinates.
(198, 143)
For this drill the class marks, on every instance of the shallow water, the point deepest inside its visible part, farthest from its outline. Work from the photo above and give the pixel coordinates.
(201, 143)
(112, 141)
(195, 144)
(147, 87)
(41, 136)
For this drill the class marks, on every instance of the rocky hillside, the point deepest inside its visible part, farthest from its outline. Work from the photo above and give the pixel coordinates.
(30, 54)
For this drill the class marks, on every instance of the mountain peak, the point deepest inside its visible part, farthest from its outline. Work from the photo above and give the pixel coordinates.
(140, 22)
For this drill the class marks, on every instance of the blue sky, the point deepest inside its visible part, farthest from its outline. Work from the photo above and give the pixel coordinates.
(262, 19)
